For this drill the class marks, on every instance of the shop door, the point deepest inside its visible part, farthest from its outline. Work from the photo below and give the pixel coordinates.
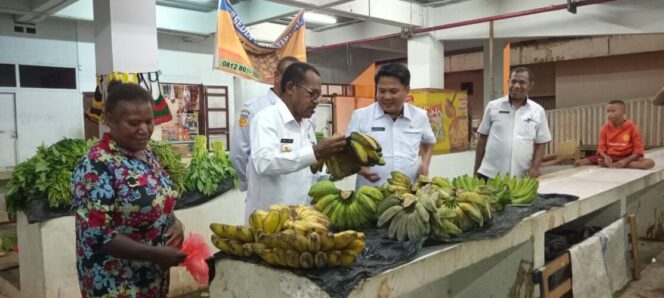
(7, 131)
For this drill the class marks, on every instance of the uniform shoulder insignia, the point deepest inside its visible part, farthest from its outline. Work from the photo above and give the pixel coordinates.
(244, 118)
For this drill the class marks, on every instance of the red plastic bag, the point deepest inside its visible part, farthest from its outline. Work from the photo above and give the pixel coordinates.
(197, 252)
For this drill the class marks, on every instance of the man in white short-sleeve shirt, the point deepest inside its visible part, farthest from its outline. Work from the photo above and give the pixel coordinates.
(240, 147)
(283, 144)
(402, 129)
(513, 132)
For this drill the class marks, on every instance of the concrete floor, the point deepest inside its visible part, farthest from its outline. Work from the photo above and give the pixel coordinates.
(651, 284)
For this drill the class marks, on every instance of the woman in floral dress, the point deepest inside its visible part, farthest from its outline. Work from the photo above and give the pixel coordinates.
(127, 236)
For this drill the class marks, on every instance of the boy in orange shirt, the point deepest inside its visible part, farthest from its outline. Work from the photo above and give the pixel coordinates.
(620, 142)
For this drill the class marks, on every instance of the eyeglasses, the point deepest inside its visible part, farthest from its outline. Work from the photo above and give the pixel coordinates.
(313, 95)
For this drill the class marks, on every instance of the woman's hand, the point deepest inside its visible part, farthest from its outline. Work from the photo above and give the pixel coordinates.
(166, 257)
(175, 234)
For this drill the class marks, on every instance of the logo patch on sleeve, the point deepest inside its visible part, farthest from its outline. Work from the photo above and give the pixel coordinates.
(244, 118)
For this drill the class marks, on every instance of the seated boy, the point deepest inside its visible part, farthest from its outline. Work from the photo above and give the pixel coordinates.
(620, 142)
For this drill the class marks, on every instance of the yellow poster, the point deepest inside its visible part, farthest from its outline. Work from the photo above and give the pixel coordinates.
(236, 52)
(448, 116)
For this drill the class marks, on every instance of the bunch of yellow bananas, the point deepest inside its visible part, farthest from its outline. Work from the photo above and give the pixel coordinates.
(299, 217)
(362, 150)
(366, 148)
(294, 236)
(346, 209)
(233, 240)
(304, 250)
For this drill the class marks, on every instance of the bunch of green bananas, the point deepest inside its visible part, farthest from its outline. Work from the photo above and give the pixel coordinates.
(304, 250)
(467, 183)
(521, 190)
(399, 183)
(362, 150)
(409, 217)
(346, 209)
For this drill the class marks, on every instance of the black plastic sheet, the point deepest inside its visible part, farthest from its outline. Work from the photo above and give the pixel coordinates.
(39, 210)
(194, 198)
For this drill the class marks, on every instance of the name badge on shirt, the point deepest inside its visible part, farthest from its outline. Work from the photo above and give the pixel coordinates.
(378, 129)
(504, 112)
(284, 145)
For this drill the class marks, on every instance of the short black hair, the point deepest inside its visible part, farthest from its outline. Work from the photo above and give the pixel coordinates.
(531, 75)
(282, 62)
(396, 70)
(618, 102)
(296, 73)
(119, 92)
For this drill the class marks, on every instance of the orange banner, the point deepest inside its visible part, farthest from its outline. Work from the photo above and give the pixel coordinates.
(236, 52)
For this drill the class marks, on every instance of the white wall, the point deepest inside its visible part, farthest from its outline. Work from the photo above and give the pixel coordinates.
(48, 115)
(43, 115)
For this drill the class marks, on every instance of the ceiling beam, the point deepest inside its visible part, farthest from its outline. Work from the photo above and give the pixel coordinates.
(390, 12)
(40, 9)
(258, 11)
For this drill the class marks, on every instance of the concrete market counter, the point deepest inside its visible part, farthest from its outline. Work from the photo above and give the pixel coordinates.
(499, 267)
(473, 269)
(47, 249)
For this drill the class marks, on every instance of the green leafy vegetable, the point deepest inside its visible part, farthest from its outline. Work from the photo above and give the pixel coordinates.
(206, 172)
(8, 242)
(172, 163)
(47, 175)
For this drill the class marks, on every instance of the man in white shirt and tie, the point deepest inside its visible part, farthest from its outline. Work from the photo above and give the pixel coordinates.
(403, 130)
(283, 143)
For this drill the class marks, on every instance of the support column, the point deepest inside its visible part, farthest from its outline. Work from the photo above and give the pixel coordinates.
(125, 36)
(126, 40)
(426, 56)
(496, 67)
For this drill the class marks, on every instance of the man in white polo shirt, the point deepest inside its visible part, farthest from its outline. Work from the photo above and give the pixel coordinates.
(513, 132)
(402, 129)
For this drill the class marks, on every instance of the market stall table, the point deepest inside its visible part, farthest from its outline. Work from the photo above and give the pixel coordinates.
(500, 267)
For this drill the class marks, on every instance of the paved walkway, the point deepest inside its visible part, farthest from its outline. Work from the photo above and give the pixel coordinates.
(651, 284)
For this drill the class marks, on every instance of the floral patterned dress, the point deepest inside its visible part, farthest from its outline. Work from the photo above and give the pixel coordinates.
(116, 193)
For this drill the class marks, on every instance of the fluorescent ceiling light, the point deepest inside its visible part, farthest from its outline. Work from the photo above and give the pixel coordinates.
(317, 18)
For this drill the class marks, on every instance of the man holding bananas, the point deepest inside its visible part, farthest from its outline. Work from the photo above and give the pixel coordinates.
(402, 130)
(283, 143)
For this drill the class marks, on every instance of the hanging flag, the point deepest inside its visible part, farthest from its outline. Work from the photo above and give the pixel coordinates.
(238, 53)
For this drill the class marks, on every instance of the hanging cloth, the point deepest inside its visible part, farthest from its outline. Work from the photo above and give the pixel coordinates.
(96, 111)
(160, 110)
